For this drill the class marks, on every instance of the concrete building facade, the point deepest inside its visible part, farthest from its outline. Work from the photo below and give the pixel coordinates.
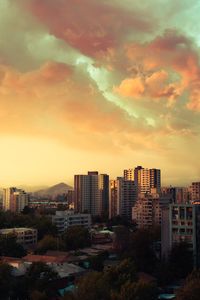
(65, 219)
(91, 193)
(129, 174)
(195, 191)
(25, 236)
(122, 197)
(147, 179)
(14, 199)
(147, 211)
(181, 223)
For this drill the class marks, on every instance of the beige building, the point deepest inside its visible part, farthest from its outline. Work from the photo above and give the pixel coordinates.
(14, 199)
(129, 174)
(147, 211)
(147, 179)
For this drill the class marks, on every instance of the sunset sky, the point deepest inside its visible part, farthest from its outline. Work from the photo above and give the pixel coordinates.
(99, 85)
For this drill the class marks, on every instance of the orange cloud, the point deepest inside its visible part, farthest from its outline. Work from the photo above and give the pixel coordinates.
(55, 102)
(170, 68)
(131, 87)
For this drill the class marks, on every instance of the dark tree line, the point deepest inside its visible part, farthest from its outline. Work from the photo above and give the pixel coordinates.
(42, 223)
(35, 284)
(118, 283)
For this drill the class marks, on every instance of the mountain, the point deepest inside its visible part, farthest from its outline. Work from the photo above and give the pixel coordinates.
(32, 189)
(53, 191)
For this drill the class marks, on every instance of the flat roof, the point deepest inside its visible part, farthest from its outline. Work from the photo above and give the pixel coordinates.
(11, 230)
(167, 296)
(44, 258)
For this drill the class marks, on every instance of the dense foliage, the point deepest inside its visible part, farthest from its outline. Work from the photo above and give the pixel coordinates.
(33, 285)
(42, 223)
(76, 237)
(10, 247)
(118, 283)
(191, 288)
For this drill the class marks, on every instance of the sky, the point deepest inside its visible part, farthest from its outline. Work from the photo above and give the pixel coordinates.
(99, 85)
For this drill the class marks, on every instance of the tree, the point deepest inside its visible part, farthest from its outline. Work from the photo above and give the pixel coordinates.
(76, 237)
(39, 275)
(44, 227)
(93, 286)
(47, 243)
(69, 296)
(28, 210)
(5, 280)
(141, 250)
(191, 289)
(119, 220)
(138, 291)
(121, 240)
(42, 223)
(10, 247)
(181, 260)
(119, 275)
(96, 261)
(36, 295)
(19, 288)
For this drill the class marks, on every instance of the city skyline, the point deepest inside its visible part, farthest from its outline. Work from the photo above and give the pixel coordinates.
(102, 86)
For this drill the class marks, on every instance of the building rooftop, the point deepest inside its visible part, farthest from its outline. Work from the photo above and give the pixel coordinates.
(166, 296)
(67, 269)
(44, 258)
(12, 230)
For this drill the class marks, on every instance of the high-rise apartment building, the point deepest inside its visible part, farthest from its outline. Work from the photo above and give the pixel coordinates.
(113, 199)
(147, 211)
(122, 197)
(155, 179)
(91, 193)
(195, 190)
(103, 186)
(14, 199)
(136, 174)
(147, 179)
(129, 174)
(144, 181)
(178, 194)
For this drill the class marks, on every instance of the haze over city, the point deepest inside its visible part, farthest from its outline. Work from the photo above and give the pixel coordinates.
(104, 86)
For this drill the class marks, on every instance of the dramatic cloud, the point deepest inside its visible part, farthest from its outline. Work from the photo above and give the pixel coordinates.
(170, 65)
(115, 79)
(94, 28)
(53, 99)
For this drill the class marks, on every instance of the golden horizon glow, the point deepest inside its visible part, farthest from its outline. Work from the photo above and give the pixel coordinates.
(101, 86)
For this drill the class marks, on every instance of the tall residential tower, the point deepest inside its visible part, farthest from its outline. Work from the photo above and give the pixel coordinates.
(91, 193)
